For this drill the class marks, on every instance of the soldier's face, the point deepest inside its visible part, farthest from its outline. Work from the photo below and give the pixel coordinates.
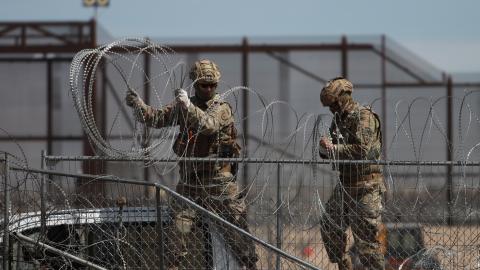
(206, 90)
(334, 107)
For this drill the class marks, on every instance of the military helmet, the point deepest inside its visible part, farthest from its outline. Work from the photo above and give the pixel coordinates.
(205, 71)
(333, 89)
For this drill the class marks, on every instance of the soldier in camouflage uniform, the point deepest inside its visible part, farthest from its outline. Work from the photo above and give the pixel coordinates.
(356, 201)
(206, 130)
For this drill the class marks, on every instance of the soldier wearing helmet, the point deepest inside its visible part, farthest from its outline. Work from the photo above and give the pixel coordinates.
(205, 75)
(356, 201)
(207, 129)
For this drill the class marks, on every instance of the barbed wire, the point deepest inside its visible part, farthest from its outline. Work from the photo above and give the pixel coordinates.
(293, 192)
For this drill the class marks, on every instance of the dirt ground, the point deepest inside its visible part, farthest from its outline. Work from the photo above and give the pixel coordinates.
(456, 247)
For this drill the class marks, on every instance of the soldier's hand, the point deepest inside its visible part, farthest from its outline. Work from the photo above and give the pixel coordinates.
(326, 144)
(139, 107)
(181, 98)
(132, 99)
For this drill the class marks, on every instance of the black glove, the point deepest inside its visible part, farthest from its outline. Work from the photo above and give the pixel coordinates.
(133, 100)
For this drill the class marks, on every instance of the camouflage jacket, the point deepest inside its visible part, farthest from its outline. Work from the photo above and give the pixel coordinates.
(357, 136)
(206, 130)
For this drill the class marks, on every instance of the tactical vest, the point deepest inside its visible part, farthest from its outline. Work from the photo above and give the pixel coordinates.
(343, 132)
(222, 144)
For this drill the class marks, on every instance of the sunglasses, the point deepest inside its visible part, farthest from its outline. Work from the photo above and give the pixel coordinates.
(327, 99)
(207, 85)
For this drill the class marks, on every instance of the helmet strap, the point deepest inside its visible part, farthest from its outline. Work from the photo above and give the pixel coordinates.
(346, 102)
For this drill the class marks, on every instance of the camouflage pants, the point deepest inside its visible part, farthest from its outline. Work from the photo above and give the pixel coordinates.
(187, 234)
(359, 209)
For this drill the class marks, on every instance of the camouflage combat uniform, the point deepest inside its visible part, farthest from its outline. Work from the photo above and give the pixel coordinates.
(206, 130)
(356, 201)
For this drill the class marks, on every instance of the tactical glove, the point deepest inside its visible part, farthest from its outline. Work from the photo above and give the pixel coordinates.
(139, 107)
(181, 98)
(133, 100)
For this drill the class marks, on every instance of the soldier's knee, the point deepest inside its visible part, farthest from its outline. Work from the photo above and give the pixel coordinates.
(373, 261)
(345, 263)
(184, 221)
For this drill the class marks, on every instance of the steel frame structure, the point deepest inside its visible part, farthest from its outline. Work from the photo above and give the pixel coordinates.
(19, 38)
(16, 39)
(22, 37)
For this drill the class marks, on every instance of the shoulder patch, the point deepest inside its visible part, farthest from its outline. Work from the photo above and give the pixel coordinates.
(225, 115)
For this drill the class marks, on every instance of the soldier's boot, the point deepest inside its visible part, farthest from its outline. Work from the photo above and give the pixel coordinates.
(345, 264)
(250, 262)
(251, 267)
(374, 261)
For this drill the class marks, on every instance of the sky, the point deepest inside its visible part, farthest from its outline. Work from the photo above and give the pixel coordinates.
(443, 32)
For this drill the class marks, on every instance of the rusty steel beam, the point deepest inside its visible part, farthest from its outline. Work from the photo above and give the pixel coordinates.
(32, 59)
(245, 96)
(23, 37)
(93, 33)
(198, 48)
(45, 48)
(266, 48)
(450, 151)
(146, 138)
(384, 95)
(47, 33)
(103, 87)
(398, 65)
(49, 76)
(21, 42)
(296, 67)
(46, 23)
(8, 28)
(37, 35)
(414, 84)
(56, 137)
(39, 138)
(344, 57)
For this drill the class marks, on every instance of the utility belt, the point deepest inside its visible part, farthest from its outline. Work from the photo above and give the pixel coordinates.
(202, 176)
(364, 181)
(226, 190)
(370, 177)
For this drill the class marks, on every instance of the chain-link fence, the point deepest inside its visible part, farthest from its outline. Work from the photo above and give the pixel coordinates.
(71, 216)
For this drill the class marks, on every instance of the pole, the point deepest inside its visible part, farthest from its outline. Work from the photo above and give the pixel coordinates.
(384, 96)
(145, 129)
(43, 213)
(6, 203)
(49, 107)
(279, 215)
(161, 240)
(450, 196)
(344, 58)
(245, 107)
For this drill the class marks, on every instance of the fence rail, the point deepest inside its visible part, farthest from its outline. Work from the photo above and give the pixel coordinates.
(264, 161)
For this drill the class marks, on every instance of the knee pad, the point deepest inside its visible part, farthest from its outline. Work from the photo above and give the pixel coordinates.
(184, 221)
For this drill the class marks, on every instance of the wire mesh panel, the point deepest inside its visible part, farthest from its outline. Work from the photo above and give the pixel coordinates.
(429, 219)
(118, 228)
(106, 227)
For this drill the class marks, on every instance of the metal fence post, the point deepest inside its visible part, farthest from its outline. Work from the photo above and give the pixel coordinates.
(6, 233)
(43, 212)
(245, 118)
(279, 215)
(161, 240)
(450, 195)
